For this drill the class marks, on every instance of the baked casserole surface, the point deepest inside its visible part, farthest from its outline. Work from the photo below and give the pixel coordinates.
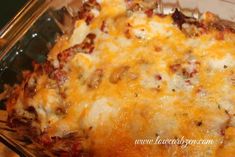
(126, 73)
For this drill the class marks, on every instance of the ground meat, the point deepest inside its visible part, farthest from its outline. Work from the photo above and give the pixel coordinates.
(95, 79)
(85, 12)
(87, 46)
(189, 26)
(118, 74)
(60, 76)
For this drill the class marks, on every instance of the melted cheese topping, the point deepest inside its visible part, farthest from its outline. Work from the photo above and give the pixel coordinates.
(172, 82)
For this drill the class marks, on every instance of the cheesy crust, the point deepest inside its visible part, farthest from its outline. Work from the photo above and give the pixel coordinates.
(127, 73)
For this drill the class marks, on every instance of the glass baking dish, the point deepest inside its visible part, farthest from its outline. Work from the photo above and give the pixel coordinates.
(34, 30)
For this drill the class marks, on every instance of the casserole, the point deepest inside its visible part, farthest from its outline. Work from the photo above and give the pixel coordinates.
(72, 104)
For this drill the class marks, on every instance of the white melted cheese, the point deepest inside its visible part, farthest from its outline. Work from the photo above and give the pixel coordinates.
(79, 33)
(220, 64)
(101, 112)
